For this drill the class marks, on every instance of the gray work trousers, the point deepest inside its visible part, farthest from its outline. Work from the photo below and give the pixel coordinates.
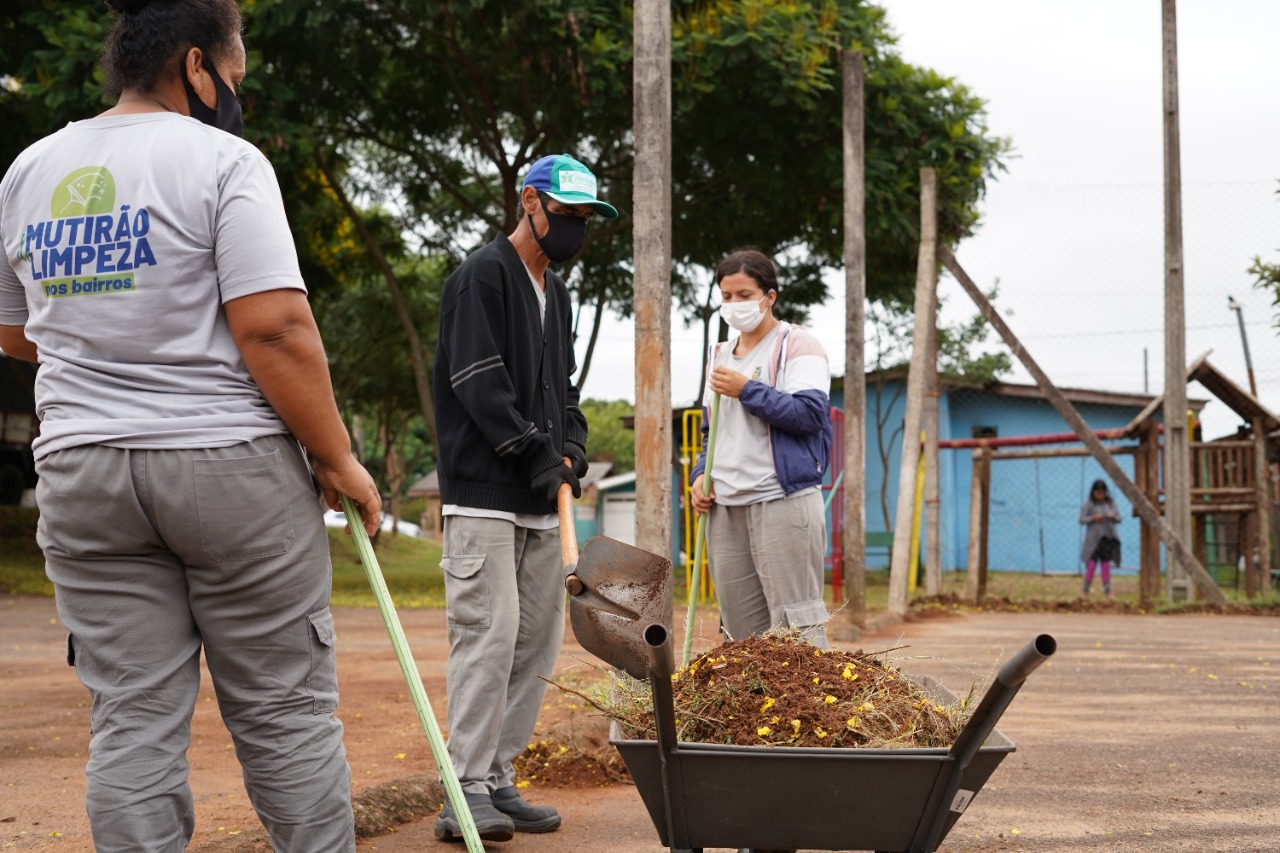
(504, 595)
(156, 553)
(766, 561)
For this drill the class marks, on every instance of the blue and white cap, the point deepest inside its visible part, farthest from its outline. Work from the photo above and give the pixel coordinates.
(568, 182)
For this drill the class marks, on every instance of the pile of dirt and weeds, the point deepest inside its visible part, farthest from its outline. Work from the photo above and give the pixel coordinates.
(571, 742)
(775, 689)
(553, 764)
(951, 603)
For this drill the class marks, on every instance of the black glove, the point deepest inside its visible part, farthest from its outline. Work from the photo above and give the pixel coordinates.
(578, 455)
(548, 483)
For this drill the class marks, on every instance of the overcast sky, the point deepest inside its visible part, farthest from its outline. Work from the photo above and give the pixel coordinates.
(1073, 231)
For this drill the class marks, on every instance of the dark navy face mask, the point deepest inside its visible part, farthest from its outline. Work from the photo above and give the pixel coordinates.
(565, 234)
(227, 114)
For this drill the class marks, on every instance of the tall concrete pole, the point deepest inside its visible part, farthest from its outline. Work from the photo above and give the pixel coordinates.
(652, 286)
(926, 292)
(1177, 456)
(855, 369)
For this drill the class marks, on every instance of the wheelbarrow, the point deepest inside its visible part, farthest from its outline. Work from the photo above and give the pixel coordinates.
(766, 799)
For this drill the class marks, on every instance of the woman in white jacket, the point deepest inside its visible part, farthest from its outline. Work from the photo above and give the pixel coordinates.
(766, 532)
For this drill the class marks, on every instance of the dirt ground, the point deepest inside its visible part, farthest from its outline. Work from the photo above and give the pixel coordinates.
(1146, 732)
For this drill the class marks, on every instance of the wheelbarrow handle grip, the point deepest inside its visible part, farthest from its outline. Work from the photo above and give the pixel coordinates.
(1007, 682)
(1004, 687)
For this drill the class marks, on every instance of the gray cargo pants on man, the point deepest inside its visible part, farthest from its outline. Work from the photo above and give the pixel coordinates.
(504, 593)
(154, 553)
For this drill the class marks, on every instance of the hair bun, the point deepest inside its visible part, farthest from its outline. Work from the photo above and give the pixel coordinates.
(128, 7)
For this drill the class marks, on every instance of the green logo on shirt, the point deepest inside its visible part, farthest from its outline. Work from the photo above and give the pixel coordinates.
(84, 192)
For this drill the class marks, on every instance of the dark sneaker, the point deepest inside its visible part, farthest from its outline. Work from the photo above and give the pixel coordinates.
(492, 824)
(526, 817)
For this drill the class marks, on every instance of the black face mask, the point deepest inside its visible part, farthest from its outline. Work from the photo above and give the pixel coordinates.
(565, 234)
(226, 115)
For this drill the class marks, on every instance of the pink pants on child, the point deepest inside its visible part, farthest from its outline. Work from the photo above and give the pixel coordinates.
(1106, 572)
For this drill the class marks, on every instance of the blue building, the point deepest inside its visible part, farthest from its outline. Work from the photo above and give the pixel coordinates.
(1035, 502)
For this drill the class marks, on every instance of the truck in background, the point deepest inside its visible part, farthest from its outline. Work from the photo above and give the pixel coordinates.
(18, 428)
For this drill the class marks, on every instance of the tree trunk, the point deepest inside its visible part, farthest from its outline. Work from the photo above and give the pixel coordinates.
(591, 341)
(421, 370)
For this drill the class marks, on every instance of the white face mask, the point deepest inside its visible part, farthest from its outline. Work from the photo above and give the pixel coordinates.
(743, 316)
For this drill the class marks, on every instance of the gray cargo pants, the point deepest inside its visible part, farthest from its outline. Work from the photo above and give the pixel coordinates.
(156, 553)
(504, 593)
(766, 561)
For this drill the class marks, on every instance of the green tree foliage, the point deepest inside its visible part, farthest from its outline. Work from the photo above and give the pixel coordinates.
(370, 359)
(429, 111)
(444, 105)
(608, 437)
(1267, 277)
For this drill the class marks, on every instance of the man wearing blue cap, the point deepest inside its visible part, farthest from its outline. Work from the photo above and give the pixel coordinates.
(507, 418)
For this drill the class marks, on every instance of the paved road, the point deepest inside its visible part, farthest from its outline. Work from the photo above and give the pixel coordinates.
(1152, 733)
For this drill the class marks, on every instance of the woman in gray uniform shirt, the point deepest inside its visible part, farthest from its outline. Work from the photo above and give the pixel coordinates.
(150, 271)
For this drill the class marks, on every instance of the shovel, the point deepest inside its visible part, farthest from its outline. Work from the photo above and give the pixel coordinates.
(615, 592)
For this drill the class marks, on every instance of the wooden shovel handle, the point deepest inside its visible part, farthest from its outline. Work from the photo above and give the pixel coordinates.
(568, 536)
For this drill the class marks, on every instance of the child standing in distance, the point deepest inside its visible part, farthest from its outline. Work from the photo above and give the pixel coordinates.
(1101, 544)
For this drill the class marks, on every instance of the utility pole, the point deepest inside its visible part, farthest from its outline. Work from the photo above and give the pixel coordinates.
(1177, 456)
(651, 202)
(855, 369)
(904, 532)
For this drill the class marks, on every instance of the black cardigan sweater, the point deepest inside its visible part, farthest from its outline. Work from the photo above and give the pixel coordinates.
(505, 400)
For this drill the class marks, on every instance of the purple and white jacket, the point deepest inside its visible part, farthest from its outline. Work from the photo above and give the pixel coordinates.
(795, 405)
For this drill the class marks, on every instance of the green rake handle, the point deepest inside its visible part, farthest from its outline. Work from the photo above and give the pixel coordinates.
(412, 677)
(695, 579)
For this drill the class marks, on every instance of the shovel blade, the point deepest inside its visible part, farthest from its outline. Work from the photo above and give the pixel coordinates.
(625, 589)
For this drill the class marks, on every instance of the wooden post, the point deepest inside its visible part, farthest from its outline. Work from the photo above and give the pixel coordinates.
(932, 489)
(1177, 456)
(972, 585)
(1262, 473)
(652, 285)
(1141, 475)
(1157, 499)
(855, 370)
(985, 539)
(926, 290)
(1176, 545)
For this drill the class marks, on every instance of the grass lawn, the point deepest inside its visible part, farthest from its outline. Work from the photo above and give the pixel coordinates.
(412, 571)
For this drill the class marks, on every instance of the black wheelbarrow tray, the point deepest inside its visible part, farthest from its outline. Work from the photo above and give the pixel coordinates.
(766, 798)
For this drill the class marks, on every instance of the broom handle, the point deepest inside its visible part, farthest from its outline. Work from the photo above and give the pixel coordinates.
(412, 677)
(695, 581)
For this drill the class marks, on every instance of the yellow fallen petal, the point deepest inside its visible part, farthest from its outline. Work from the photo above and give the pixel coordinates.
(763, 730)
(829, 699)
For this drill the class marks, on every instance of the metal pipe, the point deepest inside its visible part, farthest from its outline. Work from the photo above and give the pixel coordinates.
(1244, 339)
(658, 641)
(1007, 682)
(1026, 440)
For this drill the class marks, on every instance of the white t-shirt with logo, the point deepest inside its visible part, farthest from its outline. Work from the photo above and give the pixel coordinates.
(123, 237)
